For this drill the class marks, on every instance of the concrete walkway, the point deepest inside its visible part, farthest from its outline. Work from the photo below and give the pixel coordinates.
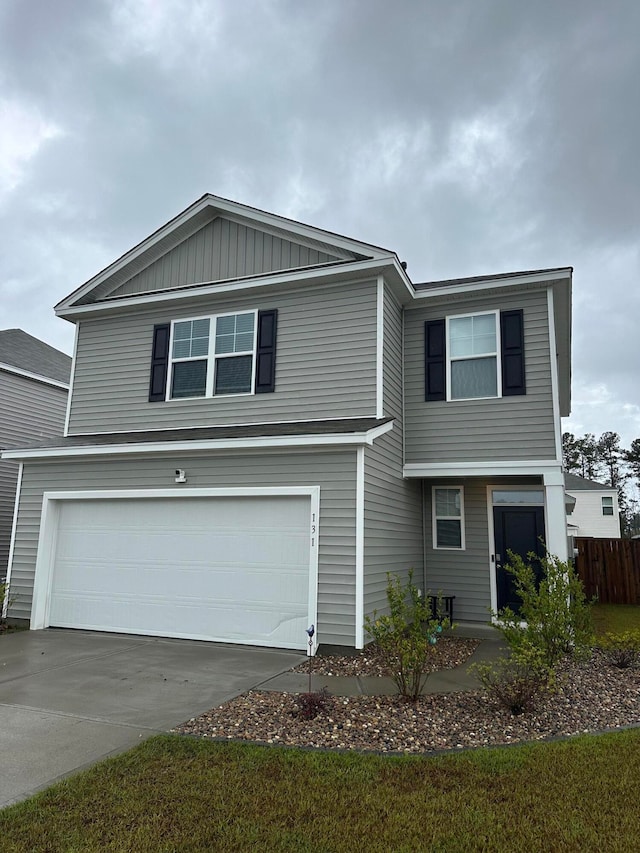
(456, 680)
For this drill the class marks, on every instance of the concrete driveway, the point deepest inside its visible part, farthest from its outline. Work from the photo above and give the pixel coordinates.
(70, 698)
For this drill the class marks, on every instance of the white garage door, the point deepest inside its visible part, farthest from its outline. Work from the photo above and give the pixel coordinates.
(232, 569)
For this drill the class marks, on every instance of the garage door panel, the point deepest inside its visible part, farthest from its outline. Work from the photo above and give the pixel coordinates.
(215, 568)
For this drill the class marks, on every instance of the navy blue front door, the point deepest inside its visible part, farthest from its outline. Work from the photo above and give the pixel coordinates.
(519, 529)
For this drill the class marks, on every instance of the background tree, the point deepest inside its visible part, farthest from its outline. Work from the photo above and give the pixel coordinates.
(632, 458)
(588, 456)
(570, 453)
(611, 455)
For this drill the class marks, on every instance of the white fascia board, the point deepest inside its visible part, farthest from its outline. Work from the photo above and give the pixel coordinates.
(517, 468)
(37, 377)
(491, 283)
(199, 290)
(357, 439)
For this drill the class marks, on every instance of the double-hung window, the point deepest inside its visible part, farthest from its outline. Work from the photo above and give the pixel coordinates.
(473, 345)
(211, 356)
(448, 517)
(607, 506)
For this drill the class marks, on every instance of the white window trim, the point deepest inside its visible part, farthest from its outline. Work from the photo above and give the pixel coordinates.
(435, 518)
(211, 356)
(497, 354)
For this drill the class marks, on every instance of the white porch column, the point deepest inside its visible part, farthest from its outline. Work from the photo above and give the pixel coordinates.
(556, 515)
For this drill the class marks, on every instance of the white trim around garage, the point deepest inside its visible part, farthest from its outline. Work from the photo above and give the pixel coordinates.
(198, 445)
(51, 502)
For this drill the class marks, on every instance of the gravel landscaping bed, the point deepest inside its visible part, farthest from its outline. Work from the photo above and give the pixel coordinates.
(589, 697)
(448, 653)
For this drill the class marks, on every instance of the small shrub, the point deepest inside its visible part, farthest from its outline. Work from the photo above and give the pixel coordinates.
(515, 682)
(622, 650)
(310, 705)
(406, 635)
(555, 610)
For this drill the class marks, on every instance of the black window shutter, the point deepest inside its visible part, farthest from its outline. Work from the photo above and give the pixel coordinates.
(266, 354)
(159, 363)
(512, 333)
(435, 350)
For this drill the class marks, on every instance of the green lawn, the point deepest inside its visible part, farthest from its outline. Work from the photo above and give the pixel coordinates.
(615, 618)
(180, 794)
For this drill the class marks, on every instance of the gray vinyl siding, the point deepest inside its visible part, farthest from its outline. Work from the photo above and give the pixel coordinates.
(515, 428)
(220, 250)
(464, 574)
(333, 471)
(393, 505)
(392, 520)
(392, 356)
(325, 364)
(29, 411)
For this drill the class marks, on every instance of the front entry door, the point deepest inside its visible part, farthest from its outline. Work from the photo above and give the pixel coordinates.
(521, 530)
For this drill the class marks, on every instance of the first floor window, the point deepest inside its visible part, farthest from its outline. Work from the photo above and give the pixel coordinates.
(448, 517)
(607, 506)
(472, 348)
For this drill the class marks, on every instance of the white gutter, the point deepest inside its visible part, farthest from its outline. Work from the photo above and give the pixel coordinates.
(46, 380)
(199, 445)
(490, 283)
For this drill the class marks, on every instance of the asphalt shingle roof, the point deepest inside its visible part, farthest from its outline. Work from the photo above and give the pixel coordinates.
(24, 352)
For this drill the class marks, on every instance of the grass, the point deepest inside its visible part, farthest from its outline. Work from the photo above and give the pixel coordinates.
(180, 794)
(615, 618)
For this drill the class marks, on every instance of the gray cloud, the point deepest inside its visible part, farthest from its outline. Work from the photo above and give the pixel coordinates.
(473, 137)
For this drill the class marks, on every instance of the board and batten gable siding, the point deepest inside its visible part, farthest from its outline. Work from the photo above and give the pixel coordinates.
(325, 363)
(220, 250)
(333, 471)
(465, 574)
(393, 505)
(29, 411)
(517, 428)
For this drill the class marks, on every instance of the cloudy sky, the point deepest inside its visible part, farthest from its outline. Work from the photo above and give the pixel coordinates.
(471, 136)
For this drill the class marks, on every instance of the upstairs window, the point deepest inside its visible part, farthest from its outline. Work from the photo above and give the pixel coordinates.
(214, 356)
(607, 506)
(474, 356)
(472, 368)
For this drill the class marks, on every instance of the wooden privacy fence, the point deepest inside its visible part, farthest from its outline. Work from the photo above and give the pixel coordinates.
(610, 569)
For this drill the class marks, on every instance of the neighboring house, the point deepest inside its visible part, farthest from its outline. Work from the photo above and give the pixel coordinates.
(593, 509)
(34, 385)
(266, 418)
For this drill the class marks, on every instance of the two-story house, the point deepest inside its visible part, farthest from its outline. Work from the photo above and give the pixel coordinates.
(592, 509)
(34, 385)
(266, 418)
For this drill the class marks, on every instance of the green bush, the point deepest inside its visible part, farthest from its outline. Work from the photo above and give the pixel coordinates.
(406, 635)
(555, 616)
(516, 681)
(622, 650)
